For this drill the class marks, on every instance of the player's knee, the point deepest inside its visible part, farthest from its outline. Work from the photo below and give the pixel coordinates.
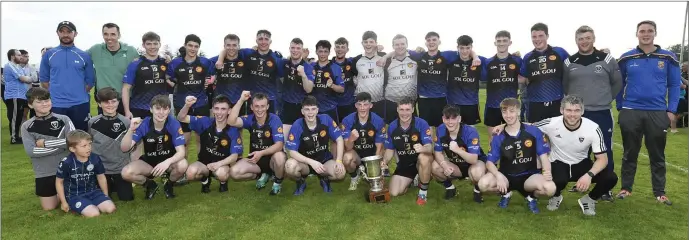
(127, 173)
(425, 160)
(90, 212)
(181, 166)
(549, 188)
(476, 174)
(223, 174)
(291, 167)
(279, 159)
(109, 208)
(485, 183)
(235, 172)
(191, 173)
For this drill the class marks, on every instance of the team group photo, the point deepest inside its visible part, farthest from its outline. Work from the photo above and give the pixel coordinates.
(360, 131)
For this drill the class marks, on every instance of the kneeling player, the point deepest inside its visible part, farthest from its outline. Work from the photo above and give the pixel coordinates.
(309, 148)
(266, 142)
(363, 133)
(221, 144)
(518, 148)
(460, 144)
(409, 138)
(163, 143)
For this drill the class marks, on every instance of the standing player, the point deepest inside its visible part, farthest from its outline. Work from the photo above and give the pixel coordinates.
(409, 139)
(230, 80)
(463, 81)
(163, 146)
(456, 153)
(221, 144)
(298, 82)
(266, 142)
(363, 133)
(108, 129)
(346, 100)
(502, 80)
(543, 67)
(309, 148)
(45, 142)
(144, 79)
(595, 76)
(368, 74)
(518, 149)
(327, 81)
(650, 75)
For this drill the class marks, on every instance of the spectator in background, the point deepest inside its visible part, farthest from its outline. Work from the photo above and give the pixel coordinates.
(37, 83)
(110, 60)
(16, 84)
(32, 72)
(682, 106)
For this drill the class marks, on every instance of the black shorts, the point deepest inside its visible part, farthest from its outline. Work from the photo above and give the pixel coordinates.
(332, 113)
(406, 169)
(379, 108)
(264, 164)
(150, 162)
(682, 106)
(431, 110)
(140, 113)
(344, 111)
(516, 183)
(243, 111)
(470, 114)
(202, 111)
(391, 111)
(124, 189)
(291, 112)
(542, 110)
(492, 117)
(45, 186)
(313, 171)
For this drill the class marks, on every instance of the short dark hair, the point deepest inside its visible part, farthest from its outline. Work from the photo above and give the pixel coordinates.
(266, 32)
(363, 96)
(10, 54)
(297, 41)
(76, 136)
(649, 22)
(503, 33)
(258, 96)
(37, 93)
(150, 36)
(540, 27)
(192, 38)
(231, 37)
(451, 111)
(464, 40)
(111, 25)
(23, 52)
(182, 51)
(369, 34)
(341, 41)
(106, 94)
(308, 101)
(432, 34)
(221, 99)
(406, 100)
(161, 100)
(510, 102)
(324, 44)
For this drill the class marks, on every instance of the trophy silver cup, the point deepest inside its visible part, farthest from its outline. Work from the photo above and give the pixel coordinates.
(374, 174)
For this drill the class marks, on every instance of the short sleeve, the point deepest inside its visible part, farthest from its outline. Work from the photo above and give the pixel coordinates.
(425, 130)
(99, 168)
(381, 133)
(347, 124)
(246, 121)
(333, 129)
(236, 146)
(439, 133)
(542, 146)
(293, 139)
(388, 140)
(175, 130)
(62, 169)
(199, 124)
(276, 127)
(140, 132)
(494, 153)
(598, 144)
(471, 139)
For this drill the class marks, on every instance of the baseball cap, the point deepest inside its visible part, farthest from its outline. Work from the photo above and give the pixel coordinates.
(67, 24)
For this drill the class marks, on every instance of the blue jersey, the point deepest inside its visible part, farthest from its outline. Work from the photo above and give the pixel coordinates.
(463, 81)
(518, 155)
(172, 127)
(544, 71)
(371, 132)
(215, 145)
(14, 88)
(292, 85)
(264, 71)
(467, 139)
(403, 140)
(147, 80)
(502, 79)
(230, 81)
(80, 177)
(264, 136)
(348, 97)
(432, 72)
(314, 143)
(326, 96)
(647, 79)
(190, 80)
(69, 70)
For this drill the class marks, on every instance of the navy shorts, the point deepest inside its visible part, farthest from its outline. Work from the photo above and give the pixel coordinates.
(78, 114)
(77, 204)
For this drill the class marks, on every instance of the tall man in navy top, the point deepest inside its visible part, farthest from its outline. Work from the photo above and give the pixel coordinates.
(68, 73)
(650, 74)
(543, 67)
(463, 81)
(595, 76)
(144, 79)
(346, 100)
(518, 149)
(328, 82)
(230, 79)
(297, 82)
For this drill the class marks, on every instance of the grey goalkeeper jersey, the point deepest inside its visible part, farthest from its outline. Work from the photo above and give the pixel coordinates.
(107, 134)
(52, 130)
(400, 76)
(595, 77)
(368, 76)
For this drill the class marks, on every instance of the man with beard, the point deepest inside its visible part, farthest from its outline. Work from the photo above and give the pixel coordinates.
(68, 73)
(297, 82)
(17, 83)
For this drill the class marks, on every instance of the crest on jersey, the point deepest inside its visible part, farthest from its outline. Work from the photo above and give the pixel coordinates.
(240, 64)
(291, 137)
(552, 57)
(89, 167)
(322, 133)
(528, 143)
(410, 65)
(180, 130)
(78, 205)
(334, 123)
(599, 69)
(239, 140)
(371, 133)
(581, 139)
(165, 138)
(512, 66)
(326, 74)
(54, 125)
(267, 134)
(347, 68)
(438, 61)
(223, 143)
(269, 63)
(279, 129)
(414, 138)
(199, 69)
(473, 68)
(116, 127)
(661, 65)
(163, 67)
(474, 141)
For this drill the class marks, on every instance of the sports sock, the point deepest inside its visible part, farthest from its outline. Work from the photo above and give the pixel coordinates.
(529, 198)
(423, 188)
(448, 184)
(277, 181)
(508, 195)
(476, 190)
(354, 174)
(204, 180)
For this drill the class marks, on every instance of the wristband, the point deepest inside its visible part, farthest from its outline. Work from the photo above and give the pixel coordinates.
(591, 174)
(338, 161)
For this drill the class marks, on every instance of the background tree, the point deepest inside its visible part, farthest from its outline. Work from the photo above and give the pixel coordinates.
(677, 50)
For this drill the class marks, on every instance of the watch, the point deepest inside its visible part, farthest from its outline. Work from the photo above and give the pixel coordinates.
(591, 174)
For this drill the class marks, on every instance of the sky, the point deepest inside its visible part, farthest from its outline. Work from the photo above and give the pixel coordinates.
(32, 26)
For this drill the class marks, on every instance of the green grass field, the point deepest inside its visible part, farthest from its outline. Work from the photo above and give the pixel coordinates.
(244, 213)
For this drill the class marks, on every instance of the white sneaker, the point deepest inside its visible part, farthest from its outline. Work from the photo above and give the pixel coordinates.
(354, 183)
(554, 203)
(588, 205)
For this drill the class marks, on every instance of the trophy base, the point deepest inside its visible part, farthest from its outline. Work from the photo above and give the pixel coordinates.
(377, 197)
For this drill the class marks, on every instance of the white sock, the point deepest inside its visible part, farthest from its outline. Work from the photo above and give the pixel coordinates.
(422, 192)
(529, 198)
(451, 187)
(476, 191)
(508, 195)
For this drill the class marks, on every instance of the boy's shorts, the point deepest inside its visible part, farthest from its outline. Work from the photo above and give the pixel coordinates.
(77, 204)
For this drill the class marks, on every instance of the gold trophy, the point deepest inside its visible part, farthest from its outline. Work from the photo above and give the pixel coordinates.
(374, 174)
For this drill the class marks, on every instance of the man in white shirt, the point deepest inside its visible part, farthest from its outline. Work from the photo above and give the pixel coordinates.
(571, 137)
